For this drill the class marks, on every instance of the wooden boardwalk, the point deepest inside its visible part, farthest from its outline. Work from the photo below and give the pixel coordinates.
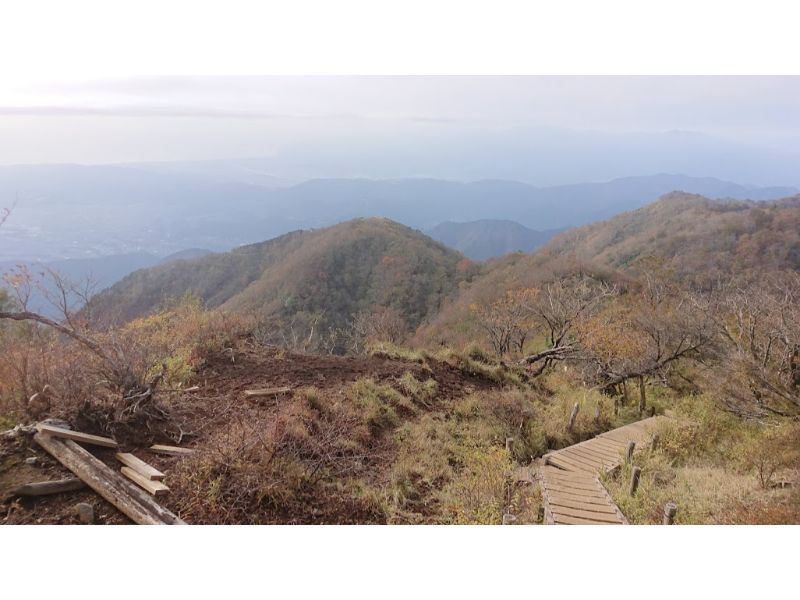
(571, 489)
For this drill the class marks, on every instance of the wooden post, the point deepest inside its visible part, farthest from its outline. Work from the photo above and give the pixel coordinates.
(509, 443)
(616, 406)
(597, 413)
(669, 513)
(642, 396)
(624, 393)
(85, 513)
(629, 451)
(654, 442)
(508, 519)
(635, 474)
(573, 415)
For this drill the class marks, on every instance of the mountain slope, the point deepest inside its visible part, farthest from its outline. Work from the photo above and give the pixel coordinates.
(487, 238)
(328, 274)
(698, 238)
(696, 235)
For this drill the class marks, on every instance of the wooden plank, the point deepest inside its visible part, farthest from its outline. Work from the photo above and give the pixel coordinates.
(554, 496)
(598, 444)
(577, 476)
(606, 454)
(45, 488)
(574, 463)
(141, 467)
(570, 466)
(567, 465)
(597, 461)
(576, 487)
(600, 508)
(128, 498)
(76, 436)
(601, 463)
(618, 436)
(584, 514)
(557, 489)
(609, 445)
(171, 450)
(600, 450)
(154, 487)
(273, 391)
(559, 519)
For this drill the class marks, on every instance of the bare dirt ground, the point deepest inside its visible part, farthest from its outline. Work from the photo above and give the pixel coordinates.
(230, 373)
(222, 381)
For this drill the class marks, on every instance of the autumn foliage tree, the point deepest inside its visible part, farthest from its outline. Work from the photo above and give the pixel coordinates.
(508, 321)
(646, 333)
(552, 312)
(759, 326)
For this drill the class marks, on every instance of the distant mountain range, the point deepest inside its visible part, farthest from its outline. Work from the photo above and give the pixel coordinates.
(67, 211)
(488, 238)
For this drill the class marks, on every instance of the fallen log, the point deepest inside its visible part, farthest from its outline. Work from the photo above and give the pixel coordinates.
(171, 450)
(141, 467)
(77, 436)
(124, 495)
(273, 391)
(45, 488)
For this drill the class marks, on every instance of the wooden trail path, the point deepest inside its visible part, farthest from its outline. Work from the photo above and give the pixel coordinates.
(571, 489)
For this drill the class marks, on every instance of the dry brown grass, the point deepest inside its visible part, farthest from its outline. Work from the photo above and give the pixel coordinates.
(296, 464)
(716, 467)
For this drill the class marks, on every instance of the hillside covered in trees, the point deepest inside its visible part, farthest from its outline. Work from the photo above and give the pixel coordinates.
(488, 238)
(305, 280)
(695, 235)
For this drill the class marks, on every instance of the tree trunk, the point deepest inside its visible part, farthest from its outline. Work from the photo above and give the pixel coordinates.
(642, 396)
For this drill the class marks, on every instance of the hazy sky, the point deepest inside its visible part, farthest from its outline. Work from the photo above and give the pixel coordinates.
(180, 118)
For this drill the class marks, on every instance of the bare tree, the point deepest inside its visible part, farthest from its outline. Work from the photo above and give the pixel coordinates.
(379, 324)
(558, 309)
(645, 334)
(61, 295)
(759, 325)
(508, 321)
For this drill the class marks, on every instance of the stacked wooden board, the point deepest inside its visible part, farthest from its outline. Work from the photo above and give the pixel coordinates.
(131, 499)
(145, 476)
(571, 489)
